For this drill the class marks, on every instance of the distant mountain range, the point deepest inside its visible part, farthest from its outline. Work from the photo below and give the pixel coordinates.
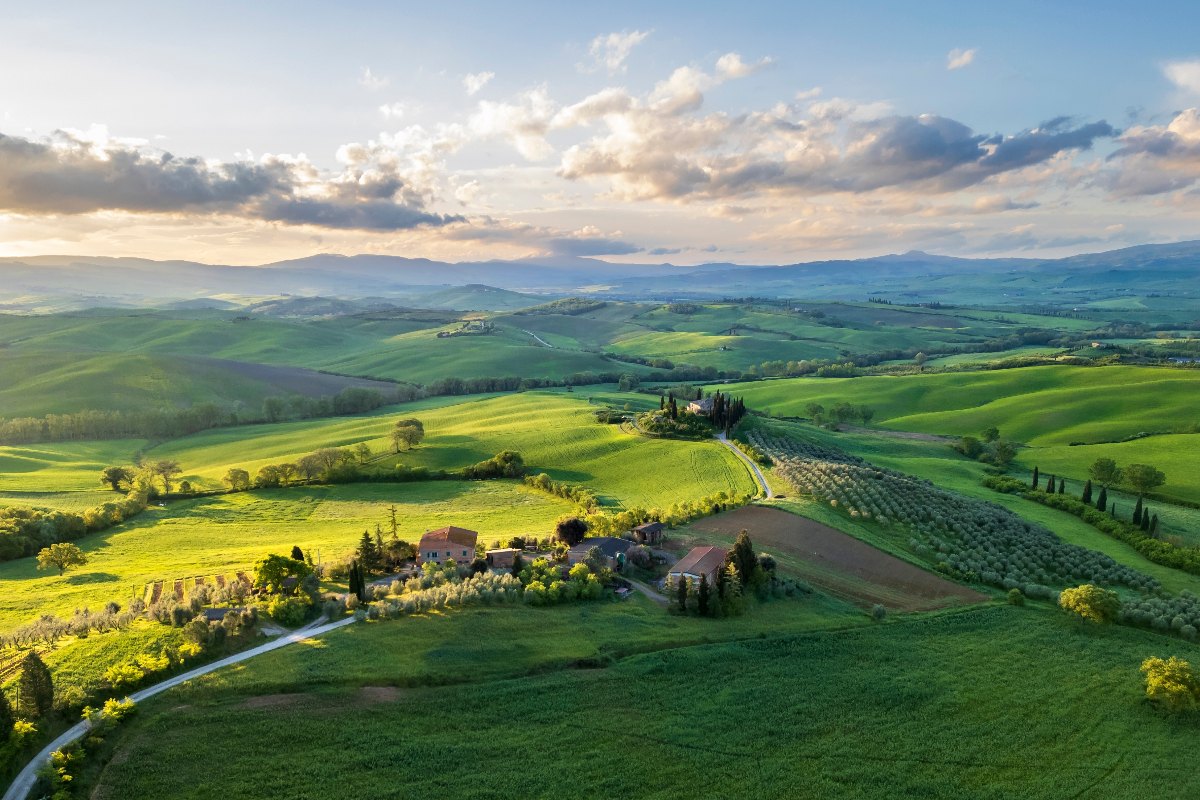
(29, 283)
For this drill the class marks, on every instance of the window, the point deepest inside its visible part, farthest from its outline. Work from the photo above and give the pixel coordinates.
(464, 552)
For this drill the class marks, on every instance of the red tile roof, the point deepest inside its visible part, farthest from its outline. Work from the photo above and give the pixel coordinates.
(451, 535)
(701, 561)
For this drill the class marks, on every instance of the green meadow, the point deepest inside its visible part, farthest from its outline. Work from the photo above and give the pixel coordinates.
(1051, 405)
(1022, 702)
(222, 534)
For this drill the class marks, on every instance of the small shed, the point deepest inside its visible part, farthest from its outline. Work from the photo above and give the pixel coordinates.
(649, 533)
(502, 558)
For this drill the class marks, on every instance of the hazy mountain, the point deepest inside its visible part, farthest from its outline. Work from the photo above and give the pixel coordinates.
(82, 281)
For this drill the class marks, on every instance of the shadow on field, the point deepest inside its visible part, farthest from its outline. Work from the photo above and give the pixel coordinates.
(91, 577)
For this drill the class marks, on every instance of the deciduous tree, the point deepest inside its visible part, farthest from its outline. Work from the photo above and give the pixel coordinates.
(1144, 478)
(1090, 602)
(1105, 472)
(116, 477)
(35, 688)
(237, 479)
(62, 556)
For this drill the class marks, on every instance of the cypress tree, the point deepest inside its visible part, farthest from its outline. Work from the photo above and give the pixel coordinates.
(1154, 525)
(297, 553)
(1146, 521)
(1036, 482)
(35, 687)
(702, 595)
(355, 580)
(1137, 512)
(1102, 500)
(6, 718)
(662, 403)
(1087, 492)
(681, 594)
(1062, 486)
(1050, 485)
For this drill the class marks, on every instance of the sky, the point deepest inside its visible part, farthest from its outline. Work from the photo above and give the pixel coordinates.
(637, 132)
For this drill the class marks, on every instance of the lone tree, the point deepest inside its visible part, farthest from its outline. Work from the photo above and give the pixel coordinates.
(570, 530)
(407, 434)
(35, 689)
(167, 470)
(1171, 683)
(116, 477)
(62, 556)
(238, 480)
(1090, 602)
(991, 434)
(1144, 478)
(271, 573)
(1105, 472)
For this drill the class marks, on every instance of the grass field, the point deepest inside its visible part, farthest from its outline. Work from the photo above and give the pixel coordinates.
(554, 431)
(219, 535)
(935, 706)
(62, 475)
(1177, 455)
(1037, 405)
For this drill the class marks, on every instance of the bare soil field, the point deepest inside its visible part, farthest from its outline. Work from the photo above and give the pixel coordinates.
(296, 380)
(837, 563)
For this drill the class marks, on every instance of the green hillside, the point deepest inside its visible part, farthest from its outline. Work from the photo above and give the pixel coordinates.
(1052, 405)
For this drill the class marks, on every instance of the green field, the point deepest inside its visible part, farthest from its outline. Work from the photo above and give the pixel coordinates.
(223, 534)
(933, 706)
(1176, 455)
(555, 432)
(61, 475)
(1038, 405)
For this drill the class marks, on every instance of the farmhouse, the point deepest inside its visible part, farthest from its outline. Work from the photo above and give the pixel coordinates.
(700, 561)
(702, 407)
(502, 558)
(649, 532)
(446, 543)
(614, 550)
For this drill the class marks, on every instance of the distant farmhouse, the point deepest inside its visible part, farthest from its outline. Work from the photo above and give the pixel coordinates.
(702, 407)
(446, 543)
(502, 558)
(700, 561)
(614, 550)
(649, 532)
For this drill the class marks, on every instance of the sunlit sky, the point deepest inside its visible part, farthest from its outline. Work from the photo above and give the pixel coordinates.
(683, 132)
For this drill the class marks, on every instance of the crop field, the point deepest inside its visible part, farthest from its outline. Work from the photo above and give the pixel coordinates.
(555, 432)
(835, 562)
(933, 706)
(1039, 406)
(226, 533)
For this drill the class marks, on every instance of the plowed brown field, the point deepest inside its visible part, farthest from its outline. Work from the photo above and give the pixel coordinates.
(835, 562)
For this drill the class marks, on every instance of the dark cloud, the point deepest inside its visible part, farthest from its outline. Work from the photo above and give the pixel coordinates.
(69, 176)
(1158, 158)
(591, 246)
(665, 251)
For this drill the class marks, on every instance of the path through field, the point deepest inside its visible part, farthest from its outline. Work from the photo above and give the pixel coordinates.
(540, 340)
(27, 777)
(758, 475)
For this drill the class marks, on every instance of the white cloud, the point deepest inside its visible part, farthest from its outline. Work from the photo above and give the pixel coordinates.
(393, 110)
(731, 65)
(369, 80)
(476, 81)
(611, 50)
(959, 58)
(524, 123)
(1184, 74)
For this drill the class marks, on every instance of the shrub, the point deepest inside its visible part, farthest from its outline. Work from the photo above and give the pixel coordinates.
(1171, 684)
(289, 612)
(878, 612)
(1016, 597)
(1090, 602)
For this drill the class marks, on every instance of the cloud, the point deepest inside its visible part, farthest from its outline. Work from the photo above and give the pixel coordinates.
(524, 123)
(393, 110)
(69, 175)
(611, 50)
(591, 246)
(475, 81)
(1155, 159)
(659, 147)
(1184, 74)
(731, 65)
(369, 80)
(959, 58)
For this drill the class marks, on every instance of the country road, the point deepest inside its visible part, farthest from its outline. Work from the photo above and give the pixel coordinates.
(23, 783)
(762, 479)
(540, 340)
